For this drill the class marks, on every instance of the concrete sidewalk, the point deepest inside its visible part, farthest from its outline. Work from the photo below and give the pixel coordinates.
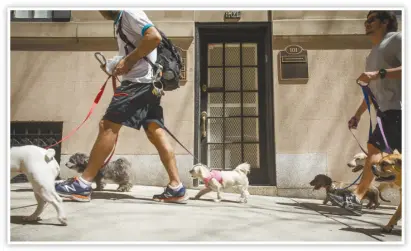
(133, 216)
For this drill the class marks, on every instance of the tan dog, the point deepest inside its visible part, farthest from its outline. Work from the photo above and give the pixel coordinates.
(330, 186)
(388, 169)
(358, 163)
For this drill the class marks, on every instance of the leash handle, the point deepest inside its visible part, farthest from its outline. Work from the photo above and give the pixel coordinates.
(100, 58)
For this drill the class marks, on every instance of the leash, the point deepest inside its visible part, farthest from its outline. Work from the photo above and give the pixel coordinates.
(367, 96)
(103, 62)
(355, 181)
(358, 142)
(181, 144)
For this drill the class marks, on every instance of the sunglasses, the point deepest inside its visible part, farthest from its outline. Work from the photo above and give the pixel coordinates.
(370, 20)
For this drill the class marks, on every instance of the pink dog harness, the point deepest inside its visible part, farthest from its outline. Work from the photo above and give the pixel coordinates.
(213, 174)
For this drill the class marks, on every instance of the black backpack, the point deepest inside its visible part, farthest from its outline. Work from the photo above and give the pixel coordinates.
(167, 56)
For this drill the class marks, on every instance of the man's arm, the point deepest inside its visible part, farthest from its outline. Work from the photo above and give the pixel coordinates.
(361, 109)
(394, 73)
(150, 41)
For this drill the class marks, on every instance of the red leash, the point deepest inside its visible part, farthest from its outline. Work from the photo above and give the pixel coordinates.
(96, 101)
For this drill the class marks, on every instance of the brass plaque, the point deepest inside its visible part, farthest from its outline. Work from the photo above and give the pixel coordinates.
(232, 15)
(293, 63)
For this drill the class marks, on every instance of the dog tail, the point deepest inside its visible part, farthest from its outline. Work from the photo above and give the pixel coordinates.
(244, 167)
(50, 154)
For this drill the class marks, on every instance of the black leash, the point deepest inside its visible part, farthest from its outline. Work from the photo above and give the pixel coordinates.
(355, 181)
(181, 144)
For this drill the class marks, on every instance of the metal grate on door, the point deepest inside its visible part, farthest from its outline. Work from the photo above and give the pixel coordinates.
(232, 106)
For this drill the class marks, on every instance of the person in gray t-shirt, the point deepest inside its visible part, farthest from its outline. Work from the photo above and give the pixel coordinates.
(383, 74)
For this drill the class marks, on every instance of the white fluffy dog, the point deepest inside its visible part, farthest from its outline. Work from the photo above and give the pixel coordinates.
(41, 169)
(216, 180)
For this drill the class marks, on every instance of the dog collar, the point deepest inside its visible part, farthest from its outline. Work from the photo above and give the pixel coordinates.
(213, 174)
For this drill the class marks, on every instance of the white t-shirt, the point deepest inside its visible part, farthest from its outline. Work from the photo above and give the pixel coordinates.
(386, 55)
(134, 23)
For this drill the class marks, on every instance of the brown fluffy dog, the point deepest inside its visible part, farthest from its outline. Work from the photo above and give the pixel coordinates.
(323, 181)
(388, 169)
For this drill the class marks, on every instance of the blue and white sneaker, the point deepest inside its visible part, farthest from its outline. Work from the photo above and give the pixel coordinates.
(72, 189)
(348, 201)
(170, 195)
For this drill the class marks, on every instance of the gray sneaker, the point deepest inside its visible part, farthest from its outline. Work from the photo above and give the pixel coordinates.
(348, 201)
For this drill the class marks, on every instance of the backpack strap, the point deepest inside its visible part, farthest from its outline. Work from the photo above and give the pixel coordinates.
(127, 41)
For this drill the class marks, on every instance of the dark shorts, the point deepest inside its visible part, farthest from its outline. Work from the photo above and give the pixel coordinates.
(391, 124)
(134, 105)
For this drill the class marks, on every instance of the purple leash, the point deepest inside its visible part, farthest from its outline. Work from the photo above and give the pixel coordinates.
(368, 93)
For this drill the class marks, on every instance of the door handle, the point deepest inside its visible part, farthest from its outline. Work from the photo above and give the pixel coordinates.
(203, 124)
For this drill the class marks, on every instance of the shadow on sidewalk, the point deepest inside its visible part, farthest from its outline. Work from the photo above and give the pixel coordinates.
(328, 209)
(372, 231)
(105, 195)
(324, 209)
(18, 219)
(22, 190)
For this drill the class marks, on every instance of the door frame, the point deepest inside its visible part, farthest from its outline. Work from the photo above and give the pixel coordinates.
(267, 147)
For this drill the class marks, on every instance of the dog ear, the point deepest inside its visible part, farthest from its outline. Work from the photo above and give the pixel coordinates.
(328, 181)
(396, 151)
(398, 161)
(50, 153)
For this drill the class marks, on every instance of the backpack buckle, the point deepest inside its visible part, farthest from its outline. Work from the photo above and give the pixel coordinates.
(159, 72)
(158, 91)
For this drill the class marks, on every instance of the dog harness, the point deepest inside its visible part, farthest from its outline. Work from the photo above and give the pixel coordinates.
(213, 174)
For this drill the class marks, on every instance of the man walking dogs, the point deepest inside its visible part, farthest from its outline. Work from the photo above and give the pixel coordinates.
(133, 105)
(383, 74)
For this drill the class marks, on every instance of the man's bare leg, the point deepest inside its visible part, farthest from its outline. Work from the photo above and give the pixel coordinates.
(158, 138)
(374, 155)
(108, 132)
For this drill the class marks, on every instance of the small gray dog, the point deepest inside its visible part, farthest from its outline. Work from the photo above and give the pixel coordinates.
(118, 171)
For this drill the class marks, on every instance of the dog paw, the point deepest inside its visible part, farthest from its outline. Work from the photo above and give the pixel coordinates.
(217, 200)
(123, 189)
(242, 200)
(387, 229)
(31, 218)
(63, 220)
